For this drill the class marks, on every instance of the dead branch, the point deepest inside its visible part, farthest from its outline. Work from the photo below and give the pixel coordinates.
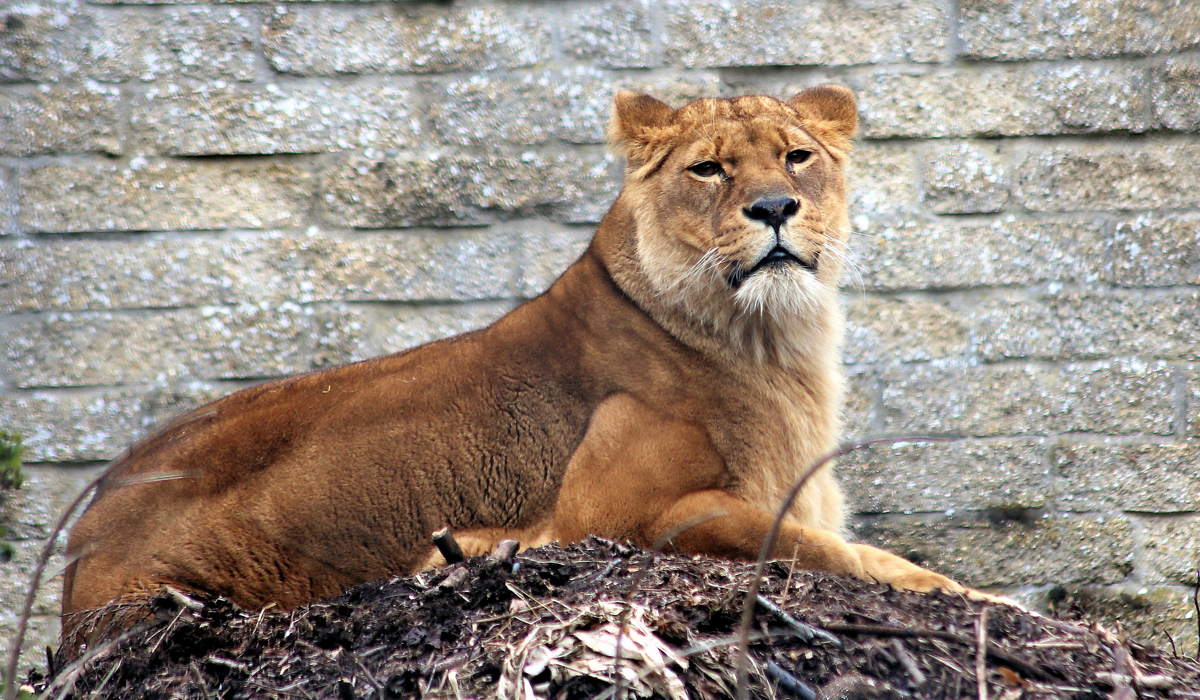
(444, 540)
(981, 654)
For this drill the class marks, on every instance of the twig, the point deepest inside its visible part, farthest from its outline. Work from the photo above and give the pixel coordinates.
(806, 632)
(788, 682)
(787, 584)
(444, 540)
(1196, 603)
(505, 551)
(981, 654)
(743, 651)
(906, 660)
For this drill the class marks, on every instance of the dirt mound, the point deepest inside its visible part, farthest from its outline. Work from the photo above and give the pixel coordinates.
(546, 624)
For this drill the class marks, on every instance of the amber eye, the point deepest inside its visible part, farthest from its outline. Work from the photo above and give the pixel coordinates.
(798, 156)
(706, 169)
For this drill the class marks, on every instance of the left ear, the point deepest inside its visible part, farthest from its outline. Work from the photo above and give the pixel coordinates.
(829, 112)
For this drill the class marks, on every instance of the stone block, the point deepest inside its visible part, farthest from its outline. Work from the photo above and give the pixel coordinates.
(74, 426)
(546, 252)
(216, 342)
(1192, 401)
(55, 119)
(1155, 250)
(41, 632)
(889, 329)
(1109, 397)
(965, 178)
(1171, 547)
(1003, 101)
(407, 327)
(31, 512)
(16, 574)
(744, 33)
(882, 183)
(1175, 93)
(1005, 476)
(920, 255)
(174, 43)
(418, 37)
(223, 119)
(1141, 477)
(610, 35)
(8, 208)
(148, 196)
(858, 411)
(455, 190)
(1161, 616)
(1018, 30)
(1157, 174)
(990, 552)
(44, 41)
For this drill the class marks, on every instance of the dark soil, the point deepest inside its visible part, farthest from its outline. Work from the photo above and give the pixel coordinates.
(545, 626)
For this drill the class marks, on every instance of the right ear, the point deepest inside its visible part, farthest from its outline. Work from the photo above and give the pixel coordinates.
(638, 123)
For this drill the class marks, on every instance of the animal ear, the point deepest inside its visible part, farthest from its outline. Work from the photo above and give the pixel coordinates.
(828, 111)
(638, 123)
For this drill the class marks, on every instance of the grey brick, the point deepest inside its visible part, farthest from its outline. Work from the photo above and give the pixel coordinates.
(409, 327)
(328, 40)
(209, 120)
(1005, 101)
(1068, 325)
(1192, 398)
(203, 42)
(74, 426)
(1172, 548)
(1175, 93)
(44, 41)
(546, 252)
(31, 512)
(1000, 476)
(79, 275)
(916, 255)
(1013, 29)
(611, 35)
(1096, 397)
(1148, 478)
(340, 336)
(978, 552)
(41, 632)
(858, 411)
(1153, 175)
(965, 178)
(366, 193)
(747, 32)
(1155, 249)
(60, 119)
(217, 342)
(1154, 615)
(14, 584)
(162, 195)
(881, 181)
(883, 329)
(8, 209)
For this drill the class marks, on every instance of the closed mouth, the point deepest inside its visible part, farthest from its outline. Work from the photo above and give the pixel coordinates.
(777, 257)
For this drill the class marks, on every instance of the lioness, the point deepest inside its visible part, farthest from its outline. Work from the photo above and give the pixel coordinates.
(686, 364)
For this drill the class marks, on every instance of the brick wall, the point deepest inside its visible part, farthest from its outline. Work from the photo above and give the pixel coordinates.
(196, 197)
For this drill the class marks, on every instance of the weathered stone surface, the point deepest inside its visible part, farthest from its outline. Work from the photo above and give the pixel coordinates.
(1143, 477)
(216, 342)
(41, 632)
(1066, 325)
(408, 327)
(1158, 615)
(545, 253)
(881, 180)
(965, 178)
(744, 33)
(366, 193)
(1172, 548)
(8, 206)
(72, 426)
(44, 41)
(1034, 551)
(60, 119)
(858, 412)
(610, 35)
(203, 42)
(424, 37)
(1010, 101)
(1111, 176)
(31, 512)
(1096, 397)
(918, 255)
(996, 476)
(1192, 401)
(222, 119)
(1012, 29)
(1154, 250)
(888, 329)
(1175, 93)
(149, 196)
(169, 272)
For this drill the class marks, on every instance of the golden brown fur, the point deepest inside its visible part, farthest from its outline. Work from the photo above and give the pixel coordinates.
(662, 377)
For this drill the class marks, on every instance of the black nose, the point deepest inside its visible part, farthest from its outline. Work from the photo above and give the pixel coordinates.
(772, 212)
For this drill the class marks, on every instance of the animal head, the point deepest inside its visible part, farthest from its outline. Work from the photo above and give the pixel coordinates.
(739, 204)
